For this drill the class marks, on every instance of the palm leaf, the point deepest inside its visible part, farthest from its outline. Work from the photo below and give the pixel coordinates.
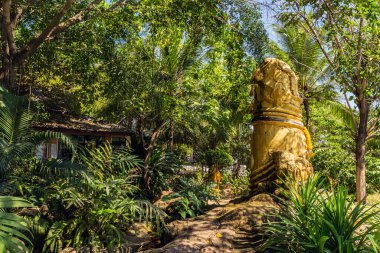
(14, 233)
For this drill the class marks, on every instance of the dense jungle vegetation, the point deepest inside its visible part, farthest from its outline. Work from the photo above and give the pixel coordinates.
(177, 73)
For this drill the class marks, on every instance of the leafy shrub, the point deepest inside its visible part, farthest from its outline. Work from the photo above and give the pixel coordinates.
(93, 207)
(239, 185)
(217, 156)
(191, 197)
(314, 220)
(338, 166)
(164, 165)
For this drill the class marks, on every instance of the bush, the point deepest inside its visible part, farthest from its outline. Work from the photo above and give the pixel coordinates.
(239, 185)
(164, 166)
(191, 197)
(217, 156)
(91, 207)
(338, 166)
(314, 220)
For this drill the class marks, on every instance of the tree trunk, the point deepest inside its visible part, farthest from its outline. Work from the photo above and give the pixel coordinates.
(6, 59)
(306, 106)
(148, 154)
(307, 112)
(361, 137)
(237, 169)
(171, 135)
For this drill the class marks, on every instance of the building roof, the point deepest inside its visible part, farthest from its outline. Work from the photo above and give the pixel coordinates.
(81, 126)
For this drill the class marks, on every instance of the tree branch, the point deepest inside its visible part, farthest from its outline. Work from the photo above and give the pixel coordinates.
(19, 11)
(40, 38)
(77, 18)
(315, 35)
(7, 25)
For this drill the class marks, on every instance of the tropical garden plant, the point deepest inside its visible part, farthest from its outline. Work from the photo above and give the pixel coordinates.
(18, 140)
(316, 220)
(190, 197)
(93, 207)
(15, 235)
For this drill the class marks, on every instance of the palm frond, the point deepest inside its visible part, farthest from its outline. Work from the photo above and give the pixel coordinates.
(14, 233)
(343, 113)
(17, 138)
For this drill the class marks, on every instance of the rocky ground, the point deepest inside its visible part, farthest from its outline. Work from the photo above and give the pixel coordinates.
(232, 226)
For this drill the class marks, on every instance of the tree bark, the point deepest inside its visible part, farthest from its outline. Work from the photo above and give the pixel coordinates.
(361, 149)
(11, 15)
(306, 104)
(171, 135)
(307, 112)
(148, 154)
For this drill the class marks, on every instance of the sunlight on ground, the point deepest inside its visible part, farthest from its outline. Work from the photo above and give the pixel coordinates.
(373, 198)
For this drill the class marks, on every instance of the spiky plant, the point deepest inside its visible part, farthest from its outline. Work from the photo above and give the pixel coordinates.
(314, 220)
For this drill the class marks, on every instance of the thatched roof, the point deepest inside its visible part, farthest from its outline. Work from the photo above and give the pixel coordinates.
(81, 126)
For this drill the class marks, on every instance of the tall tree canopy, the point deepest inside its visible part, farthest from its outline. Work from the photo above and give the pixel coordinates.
(348, 34)
(171, 68)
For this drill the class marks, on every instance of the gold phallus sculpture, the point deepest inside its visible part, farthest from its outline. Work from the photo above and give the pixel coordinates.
(280, 143)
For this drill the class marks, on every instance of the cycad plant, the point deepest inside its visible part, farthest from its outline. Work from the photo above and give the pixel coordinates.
(14, 232)
(314, 220)
(17, 138)
(98, 208)
(191, 196)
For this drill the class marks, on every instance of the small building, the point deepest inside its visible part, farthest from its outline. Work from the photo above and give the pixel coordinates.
(84, 131)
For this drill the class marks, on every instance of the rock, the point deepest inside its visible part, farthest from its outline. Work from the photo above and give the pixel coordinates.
(227, 228)
(68, 250)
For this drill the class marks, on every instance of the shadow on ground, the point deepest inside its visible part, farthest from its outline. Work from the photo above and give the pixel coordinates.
(230, 227)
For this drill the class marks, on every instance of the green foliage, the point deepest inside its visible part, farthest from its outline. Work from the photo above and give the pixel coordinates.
(94, 207)
(219, 157)
(164, 167)
(333, 140)
(315, 220)
(14, 232)
(18, 140)
(191, 197)
(302, 53)
(238, 184)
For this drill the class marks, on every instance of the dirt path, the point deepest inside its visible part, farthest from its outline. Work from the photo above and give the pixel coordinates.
(228, 227)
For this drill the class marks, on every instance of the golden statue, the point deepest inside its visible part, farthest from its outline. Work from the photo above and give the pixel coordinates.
(280, 143)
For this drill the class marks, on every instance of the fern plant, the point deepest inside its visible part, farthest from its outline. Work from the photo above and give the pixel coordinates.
(165, 166)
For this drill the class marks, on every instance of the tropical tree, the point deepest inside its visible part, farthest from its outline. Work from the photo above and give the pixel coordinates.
(302, 52)
(27, 24)
(350, 29)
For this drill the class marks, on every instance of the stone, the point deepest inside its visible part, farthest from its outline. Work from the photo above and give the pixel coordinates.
(278, 145)
(230, 227)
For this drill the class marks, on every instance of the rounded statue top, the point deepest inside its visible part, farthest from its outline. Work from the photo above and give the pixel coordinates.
(275, 90)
